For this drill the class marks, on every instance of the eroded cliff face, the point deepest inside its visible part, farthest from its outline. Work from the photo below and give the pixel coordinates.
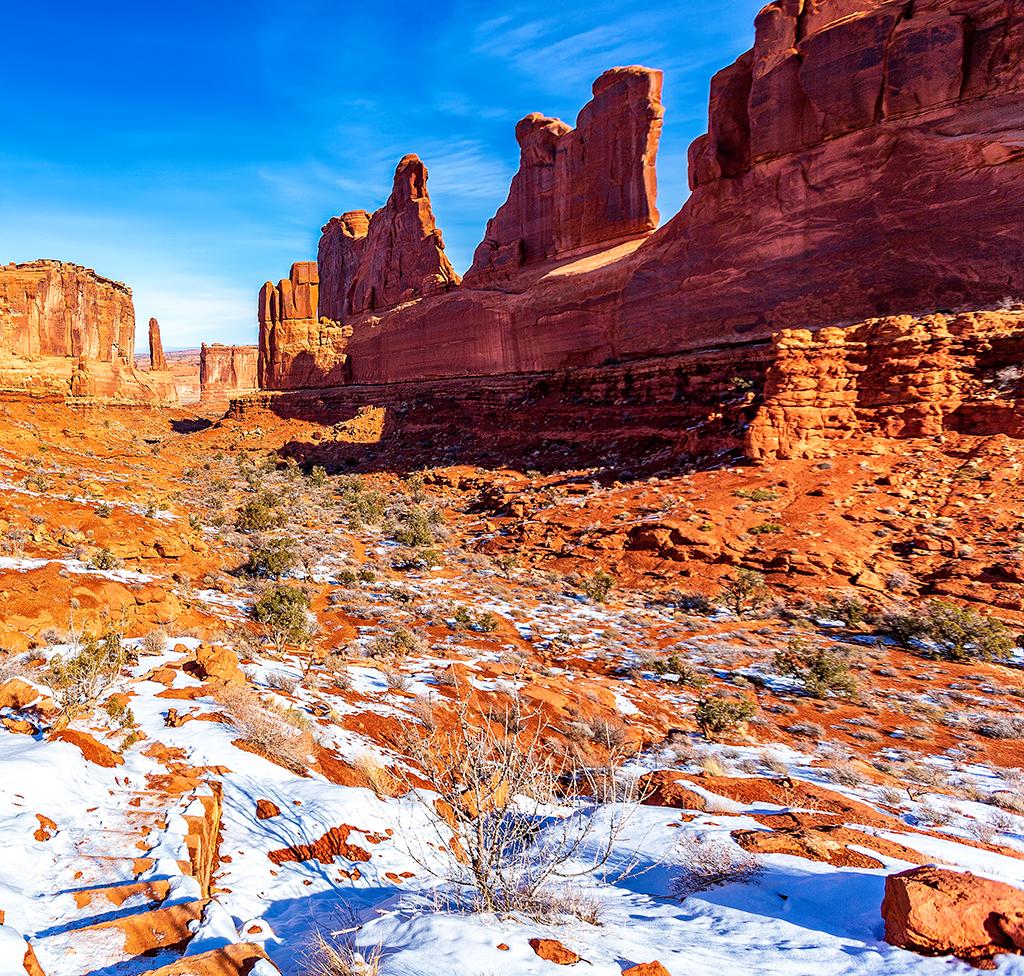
(296, 348)
(226, 371)
(53, 308)
(863, 159)
(67, 331)
(897, 376)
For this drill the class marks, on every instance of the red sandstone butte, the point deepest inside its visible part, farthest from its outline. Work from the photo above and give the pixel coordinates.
(157, 360)
(66, 330)
(52, 308)
(403, 257)
(862, 160)
(225, 371)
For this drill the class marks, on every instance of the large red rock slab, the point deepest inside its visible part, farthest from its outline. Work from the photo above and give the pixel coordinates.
(939, 912)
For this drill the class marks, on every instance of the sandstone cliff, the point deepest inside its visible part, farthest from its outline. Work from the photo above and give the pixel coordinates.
(157, 359)
(66, 330)
(225, 371)
(862, 159)
(52, 308)
(581, 188)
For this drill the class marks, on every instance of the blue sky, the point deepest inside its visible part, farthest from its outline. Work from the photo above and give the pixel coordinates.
(194, 149)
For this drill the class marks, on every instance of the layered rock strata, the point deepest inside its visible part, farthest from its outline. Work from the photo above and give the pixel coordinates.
(891, 377)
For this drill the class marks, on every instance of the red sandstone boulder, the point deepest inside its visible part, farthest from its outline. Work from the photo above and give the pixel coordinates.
(647, 969)
(267, 809)
(218, 663)
(939, 912)
(553, 951)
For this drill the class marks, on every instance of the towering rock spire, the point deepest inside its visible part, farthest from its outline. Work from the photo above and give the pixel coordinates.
(403, 256)
(157, 360)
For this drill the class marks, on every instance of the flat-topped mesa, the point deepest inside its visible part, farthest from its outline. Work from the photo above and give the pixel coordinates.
(53, 308)
(296, 347)
(225, 371)
(583, 188)
(157, 359)
(402, 257)
(341, 246)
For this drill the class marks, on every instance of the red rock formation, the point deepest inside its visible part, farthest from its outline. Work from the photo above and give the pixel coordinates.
(840, 151)
(523, 229)
(605, 181)
(403, 256)
(66, 330)
(583, 187)
(225, 371)
(296, 349)
(826, 193)
(341, 247)
(52, 308)
(891, 377)
(157, 360)
(942, 912)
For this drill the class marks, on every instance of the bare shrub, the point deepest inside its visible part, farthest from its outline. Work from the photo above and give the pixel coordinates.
(495, 778)
(705, 862)
(281, 734)
(155, 642)
(280, 681)
(380, 778)
(327, 958)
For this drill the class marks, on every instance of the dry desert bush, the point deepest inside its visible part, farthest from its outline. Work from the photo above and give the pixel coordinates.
(281, 734)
